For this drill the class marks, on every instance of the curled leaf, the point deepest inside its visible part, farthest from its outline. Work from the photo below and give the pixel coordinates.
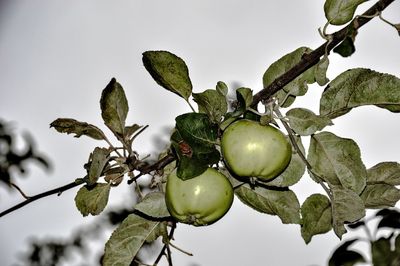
(72, 126)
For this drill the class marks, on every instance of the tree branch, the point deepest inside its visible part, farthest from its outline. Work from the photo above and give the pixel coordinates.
(313, 58)
(58, 191)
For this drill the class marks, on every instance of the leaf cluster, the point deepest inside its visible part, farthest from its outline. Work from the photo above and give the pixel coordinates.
(333, 162)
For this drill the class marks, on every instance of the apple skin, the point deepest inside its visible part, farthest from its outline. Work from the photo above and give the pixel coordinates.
(201, 200)
(253, 150)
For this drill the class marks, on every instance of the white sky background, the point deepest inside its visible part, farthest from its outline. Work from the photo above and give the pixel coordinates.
(57, 56)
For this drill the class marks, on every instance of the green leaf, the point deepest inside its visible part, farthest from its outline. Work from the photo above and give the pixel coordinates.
(379, 196)
(197, 130)
(69, 125)
(382, 253)
(296, 87)
(282, 203)
(337, 161)
(339, 12)
(222, 88)
(320, 71)
(169, 71)
(212, 103)
(153, 205)
(316, 213)
(99, 159)
(342, 256)
(358, 87)
(126, 241)
(114, 107)
(92, 200)
(347, 206)
(244, 97)
(294, 172)
(346, 48)
(193, 159)
(384, 173)
(304, 122)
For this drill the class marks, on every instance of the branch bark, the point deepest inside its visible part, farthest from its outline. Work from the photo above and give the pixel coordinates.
(58, 191)
(307, 61)
(313, 58)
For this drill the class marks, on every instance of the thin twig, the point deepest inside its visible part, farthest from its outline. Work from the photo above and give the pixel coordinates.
(162, 252)
(57, 191)
(313, 58)
(19, 190)
(302, 156)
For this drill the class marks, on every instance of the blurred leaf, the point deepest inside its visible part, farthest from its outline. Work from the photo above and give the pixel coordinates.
(339, 12)
(380, 196)
(212, 103)
(153, 205)
(99, 159)
(69, 125)
(347, 207)
(382, 253)
(320, 71)
(114, 107)
(127, 239)
(92, 200)
(169, 71)
(337, 161)
(384, 173)
(316, 213)
(222, 88)
(296, 87)
(294, 172)
(342, 256)
(282, 203)
(358, 87)
(346, 48)
(304, 122)
(390, 218)
(356, 225)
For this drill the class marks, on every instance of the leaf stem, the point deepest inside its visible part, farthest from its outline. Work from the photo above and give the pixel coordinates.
(165, 247)
(191, 106)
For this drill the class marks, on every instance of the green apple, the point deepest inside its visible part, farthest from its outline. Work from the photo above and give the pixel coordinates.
(201, 200)
(254, 150)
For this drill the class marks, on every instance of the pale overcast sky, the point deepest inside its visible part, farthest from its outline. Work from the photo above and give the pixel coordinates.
(56, 57)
